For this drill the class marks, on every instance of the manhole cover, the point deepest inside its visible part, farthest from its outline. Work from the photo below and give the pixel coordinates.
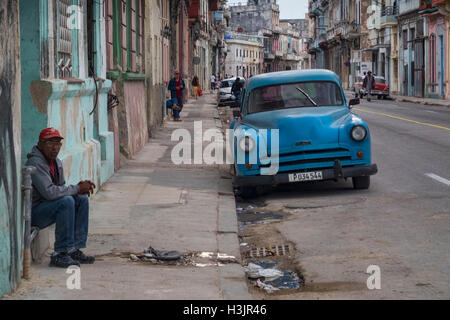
(276, 250)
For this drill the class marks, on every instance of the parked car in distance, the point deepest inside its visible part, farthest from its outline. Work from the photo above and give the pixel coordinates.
(319, 135)
(225, 96)
(381, 89)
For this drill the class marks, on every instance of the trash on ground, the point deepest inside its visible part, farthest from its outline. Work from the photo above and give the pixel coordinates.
(288, 280)
(271, 279)
(269, 288)
(244, 244)
(163, 255)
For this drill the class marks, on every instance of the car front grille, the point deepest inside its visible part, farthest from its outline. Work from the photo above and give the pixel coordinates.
(311, 158)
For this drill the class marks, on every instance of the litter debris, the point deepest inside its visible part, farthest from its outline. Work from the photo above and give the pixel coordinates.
(271, 279)
(287, 280)
(269, 288)
(206, 255)
(163, 254)
(243, 244)
(133, 257)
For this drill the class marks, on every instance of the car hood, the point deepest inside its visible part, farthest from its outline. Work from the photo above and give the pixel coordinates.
(305, 128)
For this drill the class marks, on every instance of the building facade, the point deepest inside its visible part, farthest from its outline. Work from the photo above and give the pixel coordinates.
(405, 41)
(245, 57)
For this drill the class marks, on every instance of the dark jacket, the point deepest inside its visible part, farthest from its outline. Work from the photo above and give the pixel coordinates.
(236, 87)
(173, 87)
(366, 80)
(45, 186)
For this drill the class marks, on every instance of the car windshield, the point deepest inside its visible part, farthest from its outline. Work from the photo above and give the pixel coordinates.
(294, 95)
(226, 83)
(380, 80)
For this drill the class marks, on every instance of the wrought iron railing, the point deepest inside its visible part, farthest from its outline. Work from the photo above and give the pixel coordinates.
(389, 11)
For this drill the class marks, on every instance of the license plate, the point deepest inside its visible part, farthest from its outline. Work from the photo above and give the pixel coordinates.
(305, 176)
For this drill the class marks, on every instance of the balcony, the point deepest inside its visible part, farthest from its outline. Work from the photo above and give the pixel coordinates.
(277, 29)
(314, 9)
(388, 16)
(352, 31)
(278, 53)
(269, 56)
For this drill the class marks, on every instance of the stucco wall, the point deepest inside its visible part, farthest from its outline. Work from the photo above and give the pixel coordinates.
(11, 227)
(131, 116)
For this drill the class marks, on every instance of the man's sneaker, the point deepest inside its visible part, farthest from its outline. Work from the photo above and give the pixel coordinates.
(79, 256)
(62, 260)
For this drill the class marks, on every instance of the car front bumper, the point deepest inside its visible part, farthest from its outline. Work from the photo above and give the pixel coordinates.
(337, 172)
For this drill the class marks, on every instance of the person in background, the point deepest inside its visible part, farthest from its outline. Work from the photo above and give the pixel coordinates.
(195, 87)
(236, 89)
(176, 87)
(213, 82)
(369, 84)
(55, 202)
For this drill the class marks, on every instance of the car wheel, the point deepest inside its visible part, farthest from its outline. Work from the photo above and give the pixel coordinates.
(378, 97)
(361, 182)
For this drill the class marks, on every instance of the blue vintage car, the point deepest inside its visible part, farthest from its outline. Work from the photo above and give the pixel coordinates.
(296, 126)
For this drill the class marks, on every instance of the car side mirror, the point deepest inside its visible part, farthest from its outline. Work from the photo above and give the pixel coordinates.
(353, 102)
(236, 114)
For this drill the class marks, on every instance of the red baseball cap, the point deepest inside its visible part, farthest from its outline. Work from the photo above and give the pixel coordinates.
(48, 133)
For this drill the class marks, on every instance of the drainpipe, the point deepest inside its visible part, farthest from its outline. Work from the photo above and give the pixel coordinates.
(26, 188)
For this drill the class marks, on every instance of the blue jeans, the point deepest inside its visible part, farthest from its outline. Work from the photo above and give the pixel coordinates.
(71, 215)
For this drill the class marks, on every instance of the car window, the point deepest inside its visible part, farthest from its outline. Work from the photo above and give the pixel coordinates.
(285, 96)
(380, 80)
(226, 83)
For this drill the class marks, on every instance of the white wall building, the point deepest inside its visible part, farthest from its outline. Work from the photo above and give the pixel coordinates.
(245, 58)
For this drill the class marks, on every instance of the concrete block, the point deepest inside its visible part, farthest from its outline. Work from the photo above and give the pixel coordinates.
(232, 282)
(227, 214)
(40, 245)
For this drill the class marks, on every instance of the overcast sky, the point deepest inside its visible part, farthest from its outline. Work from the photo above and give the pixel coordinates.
(293, 9)
(289, 9)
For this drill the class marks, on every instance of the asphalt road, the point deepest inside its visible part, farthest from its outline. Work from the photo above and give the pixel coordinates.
(401, 224)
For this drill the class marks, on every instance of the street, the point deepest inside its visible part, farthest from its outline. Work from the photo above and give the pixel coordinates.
(401, 223)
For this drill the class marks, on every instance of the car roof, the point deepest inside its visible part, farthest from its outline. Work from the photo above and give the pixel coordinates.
(274, 78)
(233, 79)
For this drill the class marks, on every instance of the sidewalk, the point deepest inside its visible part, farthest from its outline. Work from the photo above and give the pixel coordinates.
(423, 101)
(152, 202)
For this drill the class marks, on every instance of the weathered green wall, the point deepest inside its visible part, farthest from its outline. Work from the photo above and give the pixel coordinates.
(11, 227)
(88, 147)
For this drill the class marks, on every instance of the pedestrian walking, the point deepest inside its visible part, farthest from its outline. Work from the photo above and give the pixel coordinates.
(213, 82)
(236, 89)
(369, 84)
(55, 202)
(176, 87)
(195, 87)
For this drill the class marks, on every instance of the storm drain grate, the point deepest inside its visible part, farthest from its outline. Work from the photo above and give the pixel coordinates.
(280, 250)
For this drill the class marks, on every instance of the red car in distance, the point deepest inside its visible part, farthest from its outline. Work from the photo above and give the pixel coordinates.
(381, 89)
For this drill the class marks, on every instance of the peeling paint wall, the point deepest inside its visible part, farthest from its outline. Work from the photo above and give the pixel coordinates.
(68, 105)
(11, 226)
(132, 116)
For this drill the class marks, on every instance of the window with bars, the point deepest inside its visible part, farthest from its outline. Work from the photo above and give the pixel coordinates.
(64, 39)
(125, 35)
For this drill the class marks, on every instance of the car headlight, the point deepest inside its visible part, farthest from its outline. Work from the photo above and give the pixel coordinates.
(246, 144)
(359, 133)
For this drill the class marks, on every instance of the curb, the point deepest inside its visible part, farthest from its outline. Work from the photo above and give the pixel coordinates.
(233, 284)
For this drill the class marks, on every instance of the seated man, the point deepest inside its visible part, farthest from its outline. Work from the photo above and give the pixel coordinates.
(173, 104)
(55, 202)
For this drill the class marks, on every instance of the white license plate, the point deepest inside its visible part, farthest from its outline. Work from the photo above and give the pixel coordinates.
(305, 176)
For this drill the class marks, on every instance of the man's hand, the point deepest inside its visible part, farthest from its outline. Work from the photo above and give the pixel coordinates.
(86, 187)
